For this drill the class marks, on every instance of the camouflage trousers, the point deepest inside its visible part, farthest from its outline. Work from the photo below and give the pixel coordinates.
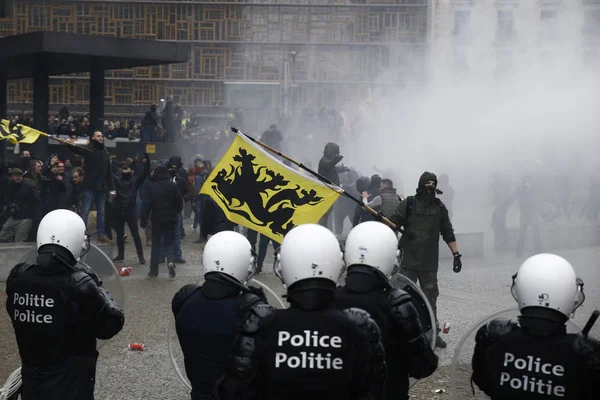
(428, 282)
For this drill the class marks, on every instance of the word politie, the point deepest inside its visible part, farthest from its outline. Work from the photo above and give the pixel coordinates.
(530, 383)
(32, 300)
(309, 359)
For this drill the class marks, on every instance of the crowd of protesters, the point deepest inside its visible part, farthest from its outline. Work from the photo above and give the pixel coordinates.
(127, 192)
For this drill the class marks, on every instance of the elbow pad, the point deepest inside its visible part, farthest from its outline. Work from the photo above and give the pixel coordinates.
(362, 320)
(244, 347)
(405, 327)
(110, 319)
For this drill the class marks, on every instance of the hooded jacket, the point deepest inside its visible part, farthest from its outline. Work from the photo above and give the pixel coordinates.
(165, 202)
(179, 176)
(327, 164)
(423, 223)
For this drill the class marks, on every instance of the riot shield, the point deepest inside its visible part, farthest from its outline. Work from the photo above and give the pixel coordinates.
(175, 352)
(102, 265)
(461, 371)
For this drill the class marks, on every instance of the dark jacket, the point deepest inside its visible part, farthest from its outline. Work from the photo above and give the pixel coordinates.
(501, 346)
(424, 222)
(59, 354)
(165, 202)
(96, 165)
(206, 320)
(24, 196)
(328, 163)
(179, 176)
(213, 218)
(51, 191)
(408, 351)
(127, 189)
(263, 360)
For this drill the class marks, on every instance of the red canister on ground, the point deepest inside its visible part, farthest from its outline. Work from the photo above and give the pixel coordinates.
(137, 346)
(446, 327)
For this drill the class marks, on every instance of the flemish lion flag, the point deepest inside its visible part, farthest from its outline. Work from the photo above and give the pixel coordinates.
(19, 133)
(256, 190)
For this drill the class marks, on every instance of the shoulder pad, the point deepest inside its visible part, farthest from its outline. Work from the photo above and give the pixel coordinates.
(397, 297)
(80, 279)
(18, 270)
(247, 300)
(362, 320)
(494, 330)
(501, 327)
(256, 313)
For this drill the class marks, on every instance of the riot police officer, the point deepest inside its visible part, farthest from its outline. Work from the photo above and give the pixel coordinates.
(58, 309)
(371, 255)
(207, 316)
(535, 358)
(310, 349)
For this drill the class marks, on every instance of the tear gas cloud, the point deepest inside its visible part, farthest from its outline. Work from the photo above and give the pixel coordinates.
(484, 122)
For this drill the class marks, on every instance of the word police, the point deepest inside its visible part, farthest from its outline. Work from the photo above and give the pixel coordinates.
(32, 300)
(529, 383)
(309, 359)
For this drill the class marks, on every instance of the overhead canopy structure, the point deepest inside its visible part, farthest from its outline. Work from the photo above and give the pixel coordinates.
(42, 54)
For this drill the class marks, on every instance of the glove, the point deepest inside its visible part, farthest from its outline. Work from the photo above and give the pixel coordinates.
(338, 158)
(257, 291)
(88, 270)
(457, 264)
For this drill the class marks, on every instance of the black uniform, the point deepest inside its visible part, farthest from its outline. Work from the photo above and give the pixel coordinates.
(310, 350)
(58, 310)
(535, 359)
(408, 351)
(206, 319)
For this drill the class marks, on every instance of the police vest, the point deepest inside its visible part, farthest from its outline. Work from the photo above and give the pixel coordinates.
(45, 320)
(308, 352)
(522, 367)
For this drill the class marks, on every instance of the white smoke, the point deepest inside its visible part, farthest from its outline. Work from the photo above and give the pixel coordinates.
(539, 106)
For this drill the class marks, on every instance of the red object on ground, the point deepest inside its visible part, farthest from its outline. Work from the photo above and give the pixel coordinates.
(446, 327)
(137, 346)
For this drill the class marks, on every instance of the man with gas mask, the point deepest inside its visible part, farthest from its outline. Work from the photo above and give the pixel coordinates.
(371, 255)
(311, 348)
(58, 309)
(424, 218)
(127, 186)
(535, 358)
(206, 316)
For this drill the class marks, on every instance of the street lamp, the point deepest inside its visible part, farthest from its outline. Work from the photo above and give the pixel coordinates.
(293, 53)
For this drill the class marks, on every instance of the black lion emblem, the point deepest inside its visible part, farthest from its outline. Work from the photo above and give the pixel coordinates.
(243, 184)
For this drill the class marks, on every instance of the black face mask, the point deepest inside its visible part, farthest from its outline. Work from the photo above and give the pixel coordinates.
(126, 175)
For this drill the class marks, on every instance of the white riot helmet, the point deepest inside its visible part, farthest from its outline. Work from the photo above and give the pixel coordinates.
(309, 251)
(549, 281)
(230, 253)
(66, 229)
(373, 244)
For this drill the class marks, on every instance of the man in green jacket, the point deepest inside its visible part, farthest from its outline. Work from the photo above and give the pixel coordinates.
(424, 218)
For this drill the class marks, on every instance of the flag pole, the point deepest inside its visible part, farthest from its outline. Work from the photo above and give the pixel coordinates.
(320, 177)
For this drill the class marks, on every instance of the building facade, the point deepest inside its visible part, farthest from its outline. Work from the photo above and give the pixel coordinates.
(312, 53)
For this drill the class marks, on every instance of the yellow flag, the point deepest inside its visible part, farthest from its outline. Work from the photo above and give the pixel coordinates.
(256, 190)
(19, 133)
